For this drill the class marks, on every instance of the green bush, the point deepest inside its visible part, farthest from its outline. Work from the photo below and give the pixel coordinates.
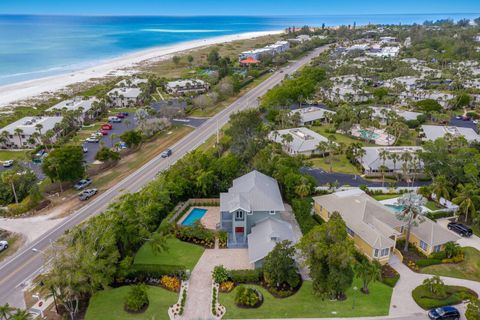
(439, 214)
(197, 234)
(220, 274)
(247, 297)
(422, 263)
(392, 281)
(142, 271)
(137, 298)
(453, 295)
(302, 209)
(246, 276)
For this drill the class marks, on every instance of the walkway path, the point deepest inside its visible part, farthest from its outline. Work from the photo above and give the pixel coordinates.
(402, 303)
(200, 284)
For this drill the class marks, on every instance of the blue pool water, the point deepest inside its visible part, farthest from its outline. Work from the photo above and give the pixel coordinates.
(367, 134)
(193, 216)
(395, 208)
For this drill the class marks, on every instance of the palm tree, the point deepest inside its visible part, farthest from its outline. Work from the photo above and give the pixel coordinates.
(303, 189)
(440, 188)
(10, 177)
(367, 272)
(467, 197)
(21, 315)
(405, 157)
(19, 133)
(383, 169)
(411, 213)
(39, 128)
(6, 311)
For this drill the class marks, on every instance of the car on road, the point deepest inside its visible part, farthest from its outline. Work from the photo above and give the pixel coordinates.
(114, 119)
(475, 121)
(120, 115)
(8, 163)
(87, 194)
(167, 153)
(442, 313)
(458, 117)
(85, 149)
(103, 132)
(92, 139)
(82, 184)
(3, 245)
(460, 228)
(107, 126)
(125, 114)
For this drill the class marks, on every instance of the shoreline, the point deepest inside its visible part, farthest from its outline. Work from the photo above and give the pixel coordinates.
(11, 93)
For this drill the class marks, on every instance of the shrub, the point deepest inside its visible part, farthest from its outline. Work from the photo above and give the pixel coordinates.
(226, 286)
(219, 274)
(247, 297)
(390, 276)
(137, 298)
(457, 259)
(143, 271)
(170, 283)
(302, 209)
(246, 276)
(439, 214)
(222, 238)
(422, 263)
(453, 295)
(197, 234)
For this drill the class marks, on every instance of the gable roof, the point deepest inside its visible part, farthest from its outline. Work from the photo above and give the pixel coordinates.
(312, 113)
(372, 161)
(304, 139)
(265, 235)
(252, 192)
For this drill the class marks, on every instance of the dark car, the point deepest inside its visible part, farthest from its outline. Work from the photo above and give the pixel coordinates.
(82, 184)
(120, 115)
(444, 313)
(459, 228)
(167, 153)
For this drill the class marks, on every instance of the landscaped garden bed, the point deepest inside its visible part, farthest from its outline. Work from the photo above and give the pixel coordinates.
(450, 295)
(390, 276)
(468, 269)
(248, 297)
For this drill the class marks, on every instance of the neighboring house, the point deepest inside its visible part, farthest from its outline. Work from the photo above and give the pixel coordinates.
(374, 227)
(252, 199)
(388, 40)
(311, 114)
(270, 50)
(303, 141)
(380, 113)
(131, 83)
(384, 52)
(443, 98)
(186, 87)
(124, 96)
(409, 82)
(170, 108)
(77, 103)
(28, 126)
(300, 39)
(430, 132)
(264, 237)
(371, 161)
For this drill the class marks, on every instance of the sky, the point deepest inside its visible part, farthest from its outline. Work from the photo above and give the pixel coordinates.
(230, 7)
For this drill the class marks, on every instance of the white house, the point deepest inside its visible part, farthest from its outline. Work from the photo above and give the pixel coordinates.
(124, 96)
(271, 50)
(430, 132)
(381, 114)
(443, 98)
(186, 87)
(77, 103)
(131, 83)
(395, 160)
(21, 138)
(384, 52)
(311, 114)
(303, 141)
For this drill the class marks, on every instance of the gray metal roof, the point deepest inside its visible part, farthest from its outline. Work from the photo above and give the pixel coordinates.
(73, 104)
(372, 161)
(435, 132)
(312, 113)
(126, 92)
(27, 124)
(304, 139)
(252, 192)
(265, 235)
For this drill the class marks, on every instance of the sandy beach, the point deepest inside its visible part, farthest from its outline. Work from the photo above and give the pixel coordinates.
(28, 89)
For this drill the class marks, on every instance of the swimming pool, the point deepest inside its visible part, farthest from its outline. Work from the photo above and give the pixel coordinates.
(194, 215)
(367, 134)
(395, 208)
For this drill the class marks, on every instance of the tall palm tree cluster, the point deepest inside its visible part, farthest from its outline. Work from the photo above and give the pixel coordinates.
(7, 312)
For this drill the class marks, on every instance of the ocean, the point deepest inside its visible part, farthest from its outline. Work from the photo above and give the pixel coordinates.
(35, 46)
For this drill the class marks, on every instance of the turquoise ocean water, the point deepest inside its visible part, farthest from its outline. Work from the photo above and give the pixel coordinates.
(38, 46)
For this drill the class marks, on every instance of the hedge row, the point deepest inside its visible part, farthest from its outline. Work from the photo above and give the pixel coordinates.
(144, 270)
(439, 214)
(246, 276)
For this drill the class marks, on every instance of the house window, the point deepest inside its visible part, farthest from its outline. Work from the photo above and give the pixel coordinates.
(239, 216)
(375, 254)
(437, 248)
(350, 232)
(384, 252)
(250, 213)
(423, 245)
(272, 212)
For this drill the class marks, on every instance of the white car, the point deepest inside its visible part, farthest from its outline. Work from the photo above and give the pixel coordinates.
(92, 139)
(3, 245)
(8, 163)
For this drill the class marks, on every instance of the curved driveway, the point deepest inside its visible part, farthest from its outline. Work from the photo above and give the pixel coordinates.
(28, 263)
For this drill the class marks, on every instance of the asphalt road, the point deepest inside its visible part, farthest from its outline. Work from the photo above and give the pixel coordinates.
(28, 263)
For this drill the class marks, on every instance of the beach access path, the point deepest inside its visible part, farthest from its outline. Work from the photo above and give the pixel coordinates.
(26, 264)
(29, 89)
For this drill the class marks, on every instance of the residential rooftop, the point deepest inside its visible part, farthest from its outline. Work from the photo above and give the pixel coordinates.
(73, 104)
(434, 132)
(27, 124)
(304, 139)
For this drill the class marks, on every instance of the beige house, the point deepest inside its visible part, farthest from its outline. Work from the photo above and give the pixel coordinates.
(374, 227)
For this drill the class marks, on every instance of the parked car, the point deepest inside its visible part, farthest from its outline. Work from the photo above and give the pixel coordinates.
(3, 245)
(444, 313)
(87, 194)
(123, 145)
(103, 132)
(466, 118)
(460, 228)
(85, 149)
(167, 153)
(458, 117)
(82, 184)
(92, 139)
(107, 126)
(40, 153)
(475, 121)
(120, 115)
(125, 114)
(114, 119)
(8, 163)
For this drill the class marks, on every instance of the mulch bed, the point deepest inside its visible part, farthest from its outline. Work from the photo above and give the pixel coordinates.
(259, 303)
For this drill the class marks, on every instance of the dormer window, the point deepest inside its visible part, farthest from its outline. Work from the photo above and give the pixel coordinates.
(272, 212)
(239, 215)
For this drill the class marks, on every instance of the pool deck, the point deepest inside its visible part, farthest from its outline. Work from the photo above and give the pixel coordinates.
(210, 220)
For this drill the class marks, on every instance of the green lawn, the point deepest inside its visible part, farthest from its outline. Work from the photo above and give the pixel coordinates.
(340, 164)
(468, 269)
(305, 305)
(338, 136)
(179, 253)
(427, 300)
(380, 197)
(432, 205)
(108, 304)
(14, 155)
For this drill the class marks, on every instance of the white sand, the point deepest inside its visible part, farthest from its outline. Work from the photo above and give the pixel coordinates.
(27, 89)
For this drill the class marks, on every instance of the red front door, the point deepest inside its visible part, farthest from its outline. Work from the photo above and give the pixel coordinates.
(239, 229)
